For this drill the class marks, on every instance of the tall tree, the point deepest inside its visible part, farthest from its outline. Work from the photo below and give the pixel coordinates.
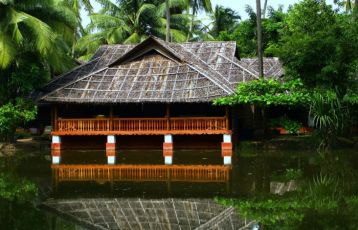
(259, 38)
(76, 6)
(34, 27)
(131, 21)
(196, 6)
(167, 13)
(223, 19)
(318, 45)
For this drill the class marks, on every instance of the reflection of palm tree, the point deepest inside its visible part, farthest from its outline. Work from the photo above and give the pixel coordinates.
(130, 22)
(197, 5)
(31, 26)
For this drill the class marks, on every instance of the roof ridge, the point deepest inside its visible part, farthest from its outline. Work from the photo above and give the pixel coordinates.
(225, 84)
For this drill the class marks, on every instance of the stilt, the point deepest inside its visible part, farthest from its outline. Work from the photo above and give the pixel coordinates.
(226, 149)
(54, 182)
(56, 149)
(111, 149)
(169, 183)
(168, 149)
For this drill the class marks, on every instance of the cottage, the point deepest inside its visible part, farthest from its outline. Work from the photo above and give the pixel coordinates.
(152, 88)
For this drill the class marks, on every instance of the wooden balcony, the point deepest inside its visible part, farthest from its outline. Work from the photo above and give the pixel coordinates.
(173, 173)
(142, 126)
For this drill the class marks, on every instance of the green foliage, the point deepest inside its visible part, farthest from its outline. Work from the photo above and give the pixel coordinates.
(317, 45)
(245, 32)
(34, 27)
(330, 117)
(289, 174)
(131, 22)
(267, 92)
(293, 212)
(14, 189)
(291, 126)
(12, 115)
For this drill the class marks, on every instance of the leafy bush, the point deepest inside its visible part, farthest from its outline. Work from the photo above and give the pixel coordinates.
(289, 174)
(290, 125)
(265, 92)
(14, 189)
(293, 212)
(12, 115)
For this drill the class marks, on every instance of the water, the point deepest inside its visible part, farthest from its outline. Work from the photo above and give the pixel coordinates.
(251, 175)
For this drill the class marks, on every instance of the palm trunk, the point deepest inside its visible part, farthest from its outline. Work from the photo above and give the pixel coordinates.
(191, 26)
(73, 44)
(265, 8)
(355, 10)
(167, 37)
(259, 38)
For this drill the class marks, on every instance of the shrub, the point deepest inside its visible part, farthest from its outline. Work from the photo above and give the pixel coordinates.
(12, 115)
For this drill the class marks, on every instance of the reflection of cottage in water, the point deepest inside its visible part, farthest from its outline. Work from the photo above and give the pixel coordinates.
(149, 214)
(154, 88)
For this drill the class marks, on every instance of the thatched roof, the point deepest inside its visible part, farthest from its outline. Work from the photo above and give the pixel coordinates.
(157, 71)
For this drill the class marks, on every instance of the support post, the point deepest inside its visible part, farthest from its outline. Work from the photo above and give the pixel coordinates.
(167, 115)
(226, 149)
(111, 118)
(111, 149)
(168, 149)
(56, 149)
(54, 117)
(227, 117)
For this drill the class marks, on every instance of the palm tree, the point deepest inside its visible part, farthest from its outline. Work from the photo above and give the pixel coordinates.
(34, 27)
(131, 21)
(75, 6)
(349, 6)
(223, 19)
(196, 6)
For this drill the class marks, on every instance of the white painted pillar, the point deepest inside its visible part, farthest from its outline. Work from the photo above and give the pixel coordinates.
(111, 149)
(56, 160)
(56, 149)
(168, 149)
(226, 149)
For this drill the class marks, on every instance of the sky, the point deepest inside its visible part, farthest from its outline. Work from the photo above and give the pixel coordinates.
(237, 5)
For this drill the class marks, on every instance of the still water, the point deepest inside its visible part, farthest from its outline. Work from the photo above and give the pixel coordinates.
(251, 174)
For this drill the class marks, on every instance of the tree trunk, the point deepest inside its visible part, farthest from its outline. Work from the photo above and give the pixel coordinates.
(355, 10)
(191, 26)
(167, 37)
(259, 38)
(265, 8)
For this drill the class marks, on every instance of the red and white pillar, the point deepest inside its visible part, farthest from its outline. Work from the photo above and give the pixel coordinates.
(56, 149)
(168, 149)
(226, 149)
(111, 149)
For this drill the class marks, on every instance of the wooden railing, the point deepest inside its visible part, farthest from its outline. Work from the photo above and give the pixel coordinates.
(198, 123)
(142, 126)
(111, 173)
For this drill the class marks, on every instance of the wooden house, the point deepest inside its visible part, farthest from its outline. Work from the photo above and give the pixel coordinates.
(152, 88)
